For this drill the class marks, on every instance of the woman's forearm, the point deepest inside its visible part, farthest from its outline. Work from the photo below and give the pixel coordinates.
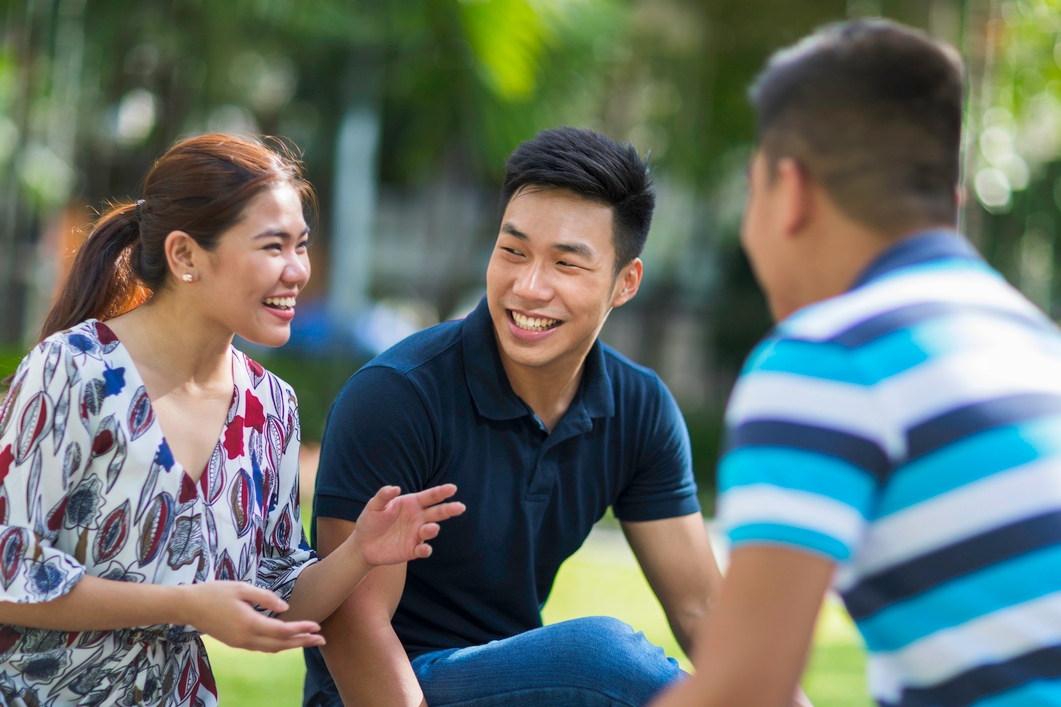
(96, 604)
(324, 585)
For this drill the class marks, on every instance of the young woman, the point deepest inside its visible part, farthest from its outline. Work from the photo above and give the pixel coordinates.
(149, 470)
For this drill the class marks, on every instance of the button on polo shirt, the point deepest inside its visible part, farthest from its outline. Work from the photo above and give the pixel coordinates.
(438, 408)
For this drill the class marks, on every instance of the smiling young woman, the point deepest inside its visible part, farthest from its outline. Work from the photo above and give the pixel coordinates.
(149, 470)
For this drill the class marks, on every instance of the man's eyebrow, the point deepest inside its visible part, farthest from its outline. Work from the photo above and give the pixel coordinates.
(574, 249)
(514, 232)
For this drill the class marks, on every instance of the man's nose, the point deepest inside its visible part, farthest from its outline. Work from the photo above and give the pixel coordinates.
(533, 283)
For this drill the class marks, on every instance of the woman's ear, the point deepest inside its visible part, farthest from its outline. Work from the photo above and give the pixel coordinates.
(182, 253)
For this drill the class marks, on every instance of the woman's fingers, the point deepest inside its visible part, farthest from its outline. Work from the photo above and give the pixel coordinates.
(274, 629)
(442, 511)
(272, 645)
(263, 598)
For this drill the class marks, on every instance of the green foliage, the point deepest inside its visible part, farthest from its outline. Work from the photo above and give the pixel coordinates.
(705, 434)
(10, 356)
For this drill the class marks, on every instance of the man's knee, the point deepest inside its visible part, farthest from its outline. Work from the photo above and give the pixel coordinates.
(604, 650)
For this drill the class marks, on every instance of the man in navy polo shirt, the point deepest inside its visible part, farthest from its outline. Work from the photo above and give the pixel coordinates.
(542, 427)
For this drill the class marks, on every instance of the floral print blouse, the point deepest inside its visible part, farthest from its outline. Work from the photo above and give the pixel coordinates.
(89, 485)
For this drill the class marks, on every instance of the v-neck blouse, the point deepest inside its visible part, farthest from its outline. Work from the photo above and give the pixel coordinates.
(88, 484)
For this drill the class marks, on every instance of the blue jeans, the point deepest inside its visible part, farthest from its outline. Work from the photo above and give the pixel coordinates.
(591, 662)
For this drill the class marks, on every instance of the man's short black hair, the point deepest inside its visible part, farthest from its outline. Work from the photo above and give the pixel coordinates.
(873, 111)
(593, 167)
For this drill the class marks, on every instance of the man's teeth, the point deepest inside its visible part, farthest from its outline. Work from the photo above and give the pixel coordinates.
(280, 302)
(533, 323)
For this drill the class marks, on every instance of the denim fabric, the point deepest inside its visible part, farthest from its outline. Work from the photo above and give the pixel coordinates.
(590, 662)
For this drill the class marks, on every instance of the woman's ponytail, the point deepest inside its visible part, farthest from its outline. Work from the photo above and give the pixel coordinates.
(101, 283)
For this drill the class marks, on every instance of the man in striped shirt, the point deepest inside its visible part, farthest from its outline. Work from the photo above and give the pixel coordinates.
(897, 435)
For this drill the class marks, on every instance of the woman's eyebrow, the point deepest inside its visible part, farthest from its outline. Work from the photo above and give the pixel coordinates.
(278, 232)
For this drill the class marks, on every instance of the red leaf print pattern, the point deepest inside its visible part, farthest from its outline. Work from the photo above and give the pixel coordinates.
(234, 438)
(254, 414)
(12, 547)
(8, 638)
(6, 458)
(104, 334)
(187, 490)
(103, 443)
(56, 515)
(34, 424)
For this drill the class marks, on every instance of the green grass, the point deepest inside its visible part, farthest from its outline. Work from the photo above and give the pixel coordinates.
(600, 579)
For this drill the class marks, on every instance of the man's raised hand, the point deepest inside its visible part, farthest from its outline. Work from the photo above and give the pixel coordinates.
(394, 528)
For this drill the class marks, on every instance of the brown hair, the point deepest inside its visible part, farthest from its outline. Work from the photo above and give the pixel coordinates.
(199, 186)
(873, 111)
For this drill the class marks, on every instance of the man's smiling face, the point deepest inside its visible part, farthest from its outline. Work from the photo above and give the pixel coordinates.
(551, 280)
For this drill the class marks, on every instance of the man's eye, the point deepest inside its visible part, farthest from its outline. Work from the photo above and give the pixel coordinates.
(511, 250)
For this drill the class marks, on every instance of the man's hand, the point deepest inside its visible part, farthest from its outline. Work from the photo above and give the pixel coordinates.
(752, 647)
(394, 529)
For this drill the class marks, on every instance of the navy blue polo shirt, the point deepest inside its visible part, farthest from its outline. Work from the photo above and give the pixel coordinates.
(438, 408)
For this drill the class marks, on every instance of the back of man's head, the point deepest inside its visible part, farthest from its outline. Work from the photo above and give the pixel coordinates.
(872, 110)
(593, 167)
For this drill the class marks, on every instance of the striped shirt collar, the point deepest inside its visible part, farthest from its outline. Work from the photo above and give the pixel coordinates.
(918, 248)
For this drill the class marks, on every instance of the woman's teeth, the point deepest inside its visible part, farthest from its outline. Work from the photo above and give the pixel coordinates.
(280, 302)
(533, 323)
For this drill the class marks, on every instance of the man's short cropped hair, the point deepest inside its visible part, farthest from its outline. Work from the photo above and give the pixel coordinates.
(873, 111)
(593, 167)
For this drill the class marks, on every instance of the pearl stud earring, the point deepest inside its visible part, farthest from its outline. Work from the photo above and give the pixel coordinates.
(188, 277)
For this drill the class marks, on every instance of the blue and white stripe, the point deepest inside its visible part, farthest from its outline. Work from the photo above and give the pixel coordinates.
(910, 430)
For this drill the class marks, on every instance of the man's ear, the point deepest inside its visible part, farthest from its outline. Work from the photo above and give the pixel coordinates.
(796, 201)
(627, 282)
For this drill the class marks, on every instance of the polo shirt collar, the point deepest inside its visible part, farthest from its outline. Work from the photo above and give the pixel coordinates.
(493, 394)
(921, 247)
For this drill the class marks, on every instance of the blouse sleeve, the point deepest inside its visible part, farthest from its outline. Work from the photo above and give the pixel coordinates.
(285, 550)
(45, 441)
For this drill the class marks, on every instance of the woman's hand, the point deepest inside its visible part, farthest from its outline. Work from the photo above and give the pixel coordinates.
(225, 610)
(394, 529)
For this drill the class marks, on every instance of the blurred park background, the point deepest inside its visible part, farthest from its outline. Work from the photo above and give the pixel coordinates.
(404, 112)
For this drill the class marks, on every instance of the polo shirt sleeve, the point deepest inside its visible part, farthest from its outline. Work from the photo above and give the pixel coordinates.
(378, 433)
(662, 485)
(806, 444)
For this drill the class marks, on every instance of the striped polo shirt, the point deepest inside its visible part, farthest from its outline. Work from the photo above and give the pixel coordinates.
(910, 431)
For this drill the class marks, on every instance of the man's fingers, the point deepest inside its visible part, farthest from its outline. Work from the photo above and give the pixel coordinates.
(436, 494)
(384, 496)
(428, 531)
(422, 550)
(442, 511)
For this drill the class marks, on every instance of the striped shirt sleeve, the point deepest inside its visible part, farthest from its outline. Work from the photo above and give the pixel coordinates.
(806, 448)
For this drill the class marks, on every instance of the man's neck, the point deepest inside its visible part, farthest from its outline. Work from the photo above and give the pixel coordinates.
(548, 390)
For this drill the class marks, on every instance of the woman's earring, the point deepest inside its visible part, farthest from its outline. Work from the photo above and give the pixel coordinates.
(188, 277)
